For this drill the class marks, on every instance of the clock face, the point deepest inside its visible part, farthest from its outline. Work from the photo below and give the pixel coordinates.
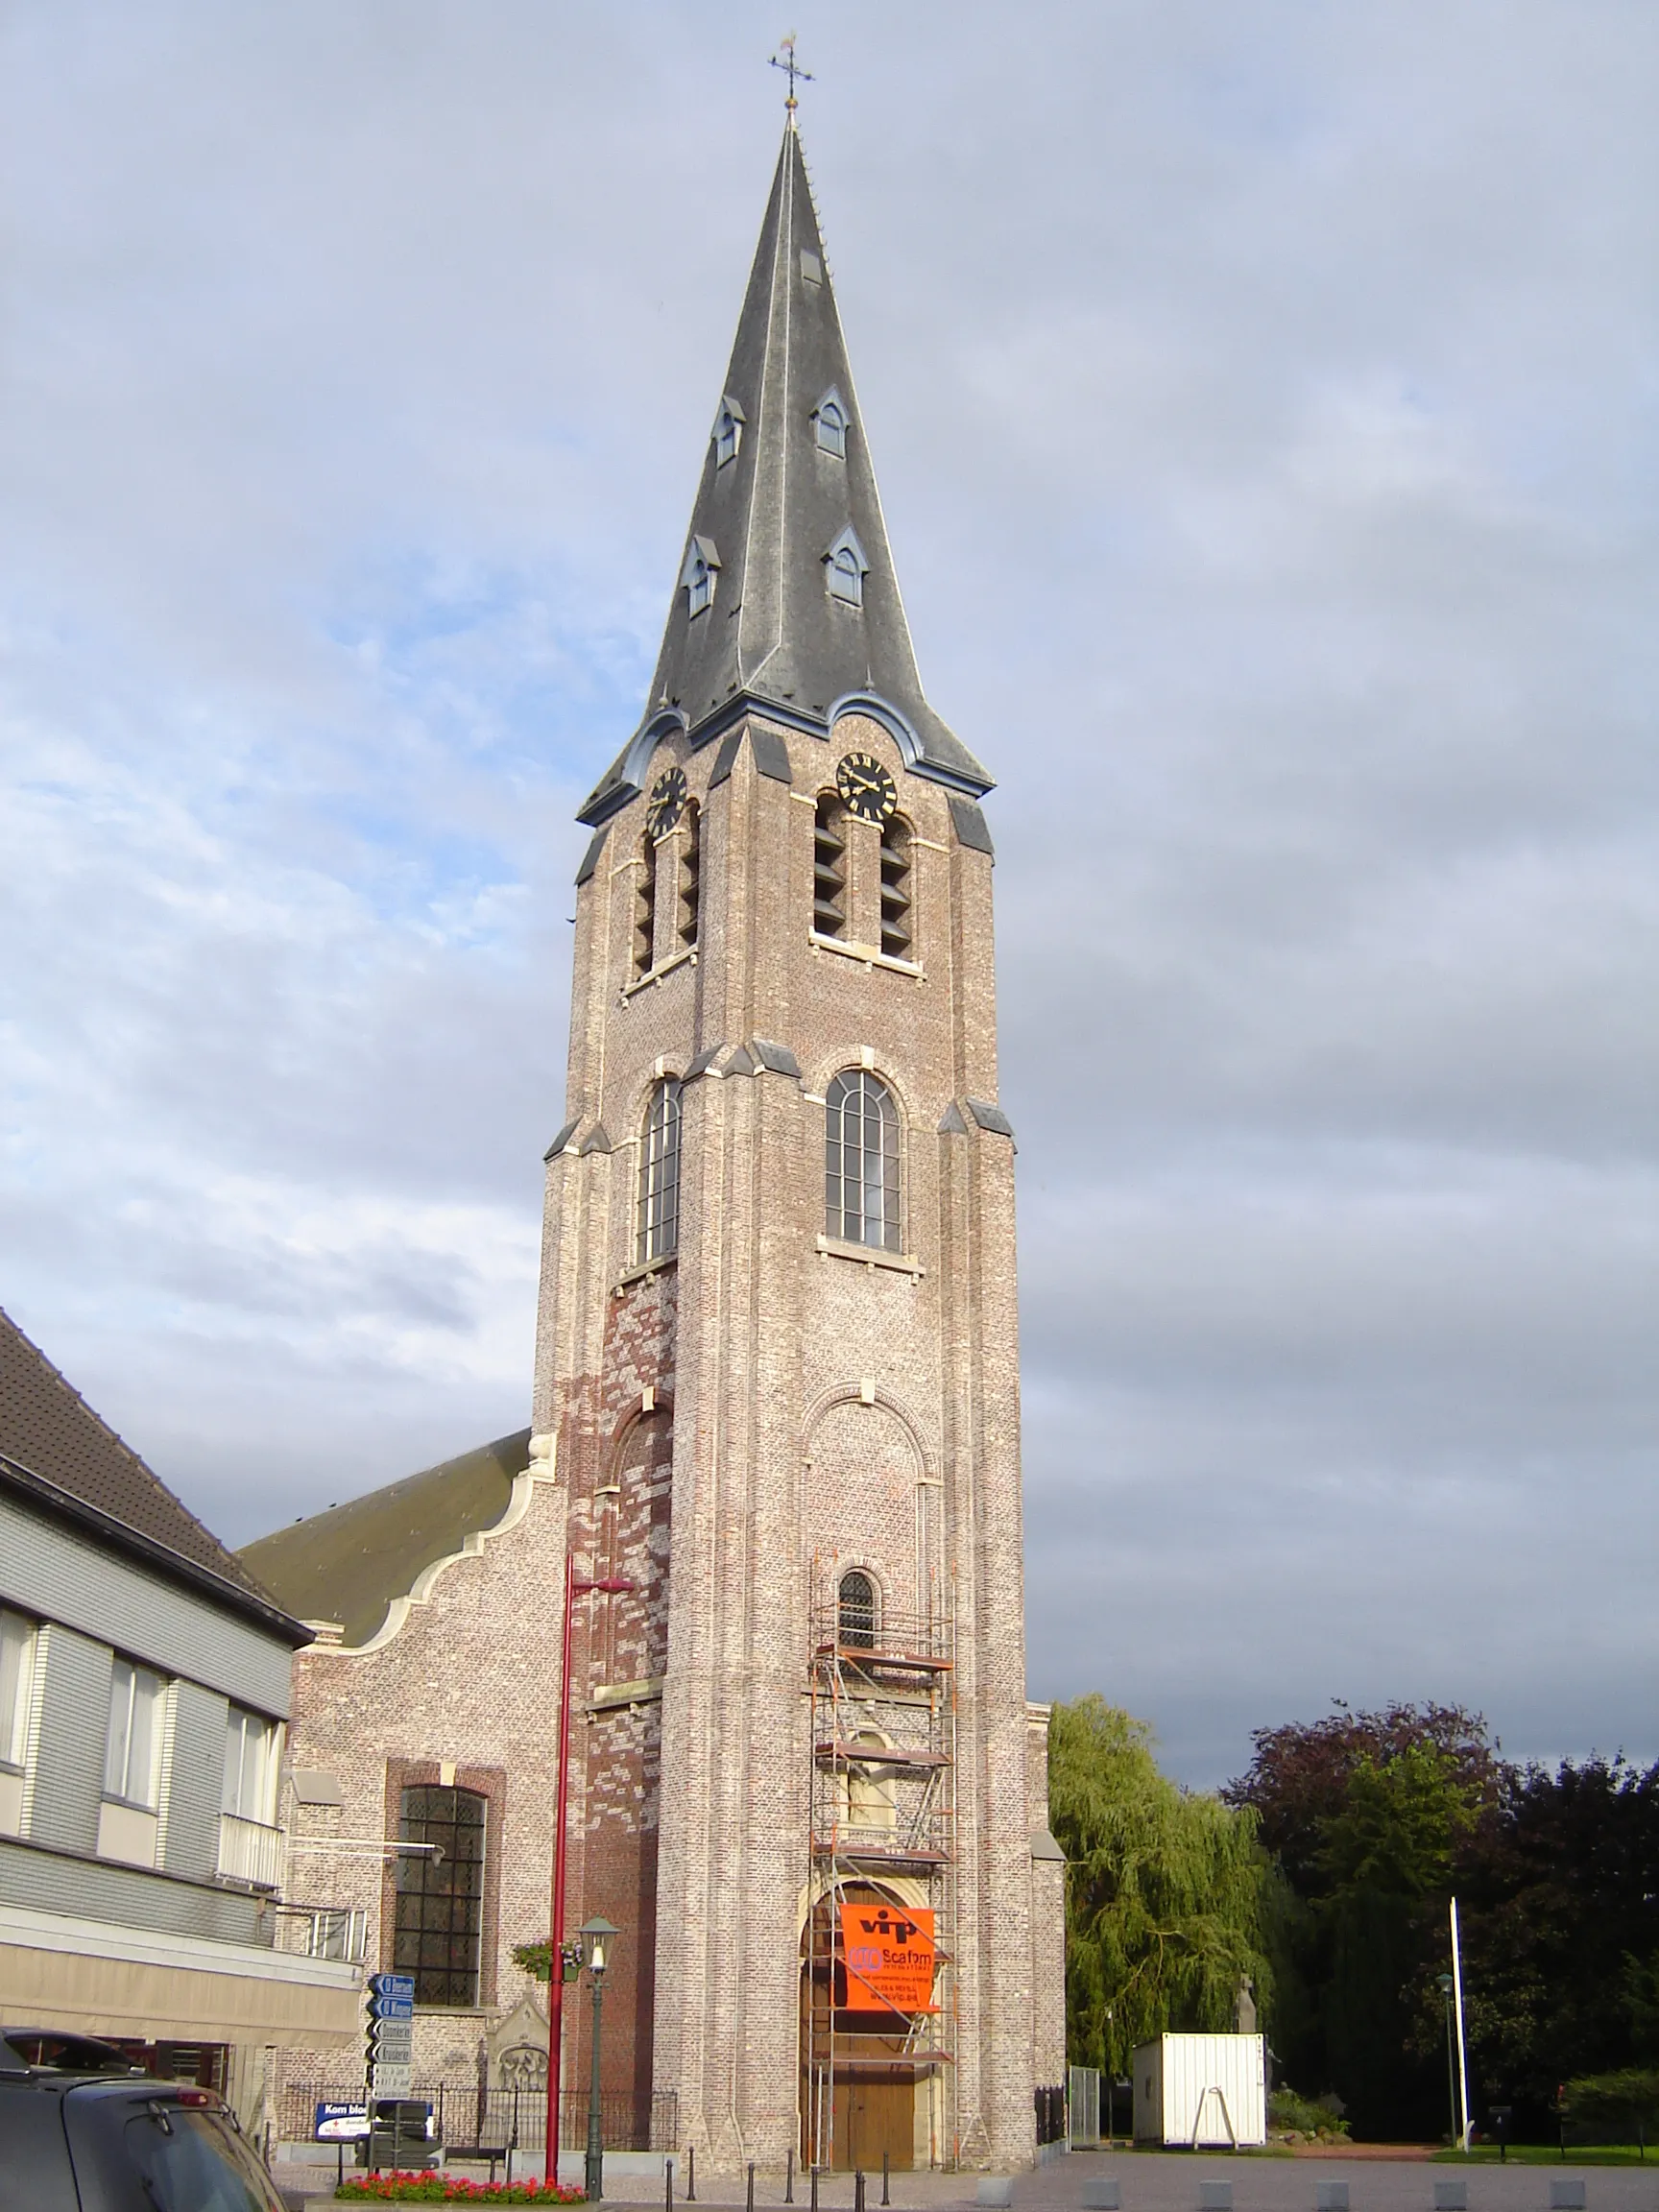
(866, 788)
(667, 797)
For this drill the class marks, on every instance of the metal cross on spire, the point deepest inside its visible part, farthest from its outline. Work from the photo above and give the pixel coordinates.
(784, 58)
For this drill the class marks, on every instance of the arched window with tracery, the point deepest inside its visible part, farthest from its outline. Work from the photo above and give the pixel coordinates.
(659, 1227)
(856, 1611)
(861, 1162)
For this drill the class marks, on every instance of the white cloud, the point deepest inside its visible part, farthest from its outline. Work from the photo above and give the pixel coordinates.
(1296, 364)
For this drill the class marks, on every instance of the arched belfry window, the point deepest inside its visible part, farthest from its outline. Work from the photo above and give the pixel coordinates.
(830, 867)
(645, 907)
(856, 1612)
(658, 1227)
(845, 569)
(690, 896)
(861, 1162)
(829, 423)
(897, 933)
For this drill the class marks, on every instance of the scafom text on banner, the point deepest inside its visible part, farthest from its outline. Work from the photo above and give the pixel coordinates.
(889, 1954)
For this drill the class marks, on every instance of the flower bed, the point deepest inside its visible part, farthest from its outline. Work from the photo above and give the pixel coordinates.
(451, 2189)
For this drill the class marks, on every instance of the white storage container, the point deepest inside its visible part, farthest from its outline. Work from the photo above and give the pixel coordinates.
(1201, 2089)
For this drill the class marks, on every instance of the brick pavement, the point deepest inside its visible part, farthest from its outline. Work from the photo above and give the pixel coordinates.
(1153, 2182)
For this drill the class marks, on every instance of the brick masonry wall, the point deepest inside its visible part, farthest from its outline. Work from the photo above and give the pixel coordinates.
(828, 1410)
(730, 1432)
(461, 1692)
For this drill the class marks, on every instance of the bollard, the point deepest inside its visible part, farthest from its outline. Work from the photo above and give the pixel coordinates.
(859, 2190)
(1215, 2197)
(750, 2200)
(1330, 2197)
(1450, 2197)
(690, 2172)
(885, 2198)
(1103, 2196)
(789, 2178)
(814, 2189)
(1568, 2195)
(668, 2183)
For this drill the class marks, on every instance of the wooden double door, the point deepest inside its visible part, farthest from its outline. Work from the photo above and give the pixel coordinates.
(875, 2113)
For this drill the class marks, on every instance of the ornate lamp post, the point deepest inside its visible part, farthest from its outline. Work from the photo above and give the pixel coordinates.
(595, 1936)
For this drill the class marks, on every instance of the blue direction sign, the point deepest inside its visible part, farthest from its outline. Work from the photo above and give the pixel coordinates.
(393, 1986)
(391, 2008)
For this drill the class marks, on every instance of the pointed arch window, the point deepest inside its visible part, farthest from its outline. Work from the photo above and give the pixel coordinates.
(658, 1227)
(830, 420)
(698, 574)
(830, 867)
(861, 1160)
(856, 1611)
(846, 568)
(728, 431)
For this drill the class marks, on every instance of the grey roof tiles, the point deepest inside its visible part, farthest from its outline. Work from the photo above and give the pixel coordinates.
(773, 633)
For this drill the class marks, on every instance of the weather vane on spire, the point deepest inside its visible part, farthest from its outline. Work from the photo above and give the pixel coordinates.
(784, 58)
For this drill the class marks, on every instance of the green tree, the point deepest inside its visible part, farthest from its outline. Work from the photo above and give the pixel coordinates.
(1169, 1896)
(1378, 1818)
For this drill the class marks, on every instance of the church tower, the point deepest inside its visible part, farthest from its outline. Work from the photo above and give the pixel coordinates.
(777, 1373)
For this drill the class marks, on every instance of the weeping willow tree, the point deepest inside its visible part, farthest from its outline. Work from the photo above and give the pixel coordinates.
(1170, 1899)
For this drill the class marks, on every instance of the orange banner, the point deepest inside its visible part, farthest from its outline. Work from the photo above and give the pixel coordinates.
(889, 1954)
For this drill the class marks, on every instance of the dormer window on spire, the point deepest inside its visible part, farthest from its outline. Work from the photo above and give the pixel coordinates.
(697, 575)
(845, 569)
(728, 431)
(829, 420)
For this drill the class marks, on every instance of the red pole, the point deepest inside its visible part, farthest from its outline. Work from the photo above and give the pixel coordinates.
(556, 1948)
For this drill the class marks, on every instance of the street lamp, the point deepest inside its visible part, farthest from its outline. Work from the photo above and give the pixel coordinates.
(1111, 2071)
(1445, 1982)
(595, 1938)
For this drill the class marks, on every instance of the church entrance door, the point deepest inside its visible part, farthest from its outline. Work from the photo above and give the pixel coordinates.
(876, 2115)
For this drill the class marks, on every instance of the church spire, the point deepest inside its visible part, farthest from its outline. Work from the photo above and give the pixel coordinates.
(788, 598)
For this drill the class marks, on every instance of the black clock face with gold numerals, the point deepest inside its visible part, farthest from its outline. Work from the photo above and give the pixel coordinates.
(866, 788)
(667, 797)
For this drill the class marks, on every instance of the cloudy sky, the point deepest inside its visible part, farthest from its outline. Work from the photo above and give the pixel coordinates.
(1263, 395)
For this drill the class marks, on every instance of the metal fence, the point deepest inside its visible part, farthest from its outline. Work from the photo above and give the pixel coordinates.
(467, 2115)
(1085, 2104)
(1051, 2114)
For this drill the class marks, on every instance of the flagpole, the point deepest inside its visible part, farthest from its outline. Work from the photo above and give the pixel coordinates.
(1462, 2047)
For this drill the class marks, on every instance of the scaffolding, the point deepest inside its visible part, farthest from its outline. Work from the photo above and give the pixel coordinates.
(882, 1797)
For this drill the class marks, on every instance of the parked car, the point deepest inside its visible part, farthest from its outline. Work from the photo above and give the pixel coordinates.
(82, 2131)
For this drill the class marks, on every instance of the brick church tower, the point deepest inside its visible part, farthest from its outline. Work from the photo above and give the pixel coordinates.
(776, 1375)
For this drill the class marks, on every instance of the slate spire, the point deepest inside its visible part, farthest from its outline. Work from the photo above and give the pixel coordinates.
(786, 594)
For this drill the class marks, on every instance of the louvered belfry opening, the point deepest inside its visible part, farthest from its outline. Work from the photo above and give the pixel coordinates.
(645, 908)
(830, 867)
(690, 874)
(896, 932)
